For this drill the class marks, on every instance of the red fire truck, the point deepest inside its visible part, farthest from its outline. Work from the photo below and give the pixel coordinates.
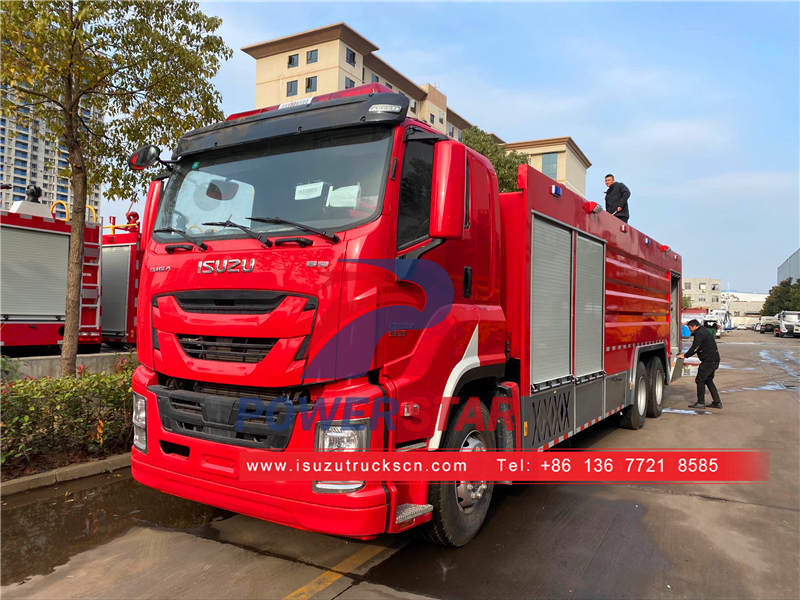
(298, 251)
(33, 280)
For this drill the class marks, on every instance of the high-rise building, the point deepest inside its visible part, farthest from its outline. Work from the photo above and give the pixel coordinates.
(29, 155)
(336, 57)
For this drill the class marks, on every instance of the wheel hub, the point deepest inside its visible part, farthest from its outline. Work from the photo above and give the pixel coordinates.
(470, 493)
(641, 398)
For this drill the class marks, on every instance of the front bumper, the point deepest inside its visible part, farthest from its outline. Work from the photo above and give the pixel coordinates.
(208, 472)
(363, 521)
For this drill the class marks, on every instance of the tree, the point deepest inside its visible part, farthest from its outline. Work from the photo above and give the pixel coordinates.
(505, 163)
(784, 296)
(147, 66)
(686, 302)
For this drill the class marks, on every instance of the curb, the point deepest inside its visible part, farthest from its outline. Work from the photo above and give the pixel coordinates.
(68, 473)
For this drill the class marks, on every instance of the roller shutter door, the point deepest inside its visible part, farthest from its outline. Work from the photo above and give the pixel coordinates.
(589, 287)
(33, 276)
(551, 307)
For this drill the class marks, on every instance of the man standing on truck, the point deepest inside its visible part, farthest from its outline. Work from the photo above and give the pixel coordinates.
(706, 349)
(617, 196)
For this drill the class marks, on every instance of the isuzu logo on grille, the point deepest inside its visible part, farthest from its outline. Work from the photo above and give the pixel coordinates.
(228, 265)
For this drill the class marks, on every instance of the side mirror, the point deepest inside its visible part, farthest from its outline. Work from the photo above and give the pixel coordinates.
(144, 157)
(448, 190)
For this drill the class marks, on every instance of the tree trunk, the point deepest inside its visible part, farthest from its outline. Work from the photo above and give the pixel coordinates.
(69, 349)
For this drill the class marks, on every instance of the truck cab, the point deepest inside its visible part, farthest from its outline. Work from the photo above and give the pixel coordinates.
(788, 323)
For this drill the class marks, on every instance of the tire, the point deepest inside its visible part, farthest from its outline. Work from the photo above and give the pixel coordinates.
(655, 391)
(633, 417)
(457, 517)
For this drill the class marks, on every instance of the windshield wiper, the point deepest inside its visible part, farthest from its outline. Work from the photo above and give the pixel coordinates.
(331, 237)
(202, 245)
(256, 236)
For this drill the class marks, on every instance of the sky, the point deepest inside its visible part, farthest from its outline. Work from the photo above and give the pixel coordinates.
(694, 106)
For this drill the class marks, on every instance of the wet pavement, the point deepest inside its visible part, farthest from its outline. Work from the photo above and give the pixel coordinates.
(108, 537)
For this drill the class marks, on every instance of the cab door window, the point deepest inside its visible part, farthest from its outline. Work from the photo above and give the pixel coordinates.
(416, 182)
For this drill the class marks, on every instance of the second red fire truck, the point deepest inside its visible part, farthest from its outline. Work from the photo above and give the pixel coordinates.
(336, 248)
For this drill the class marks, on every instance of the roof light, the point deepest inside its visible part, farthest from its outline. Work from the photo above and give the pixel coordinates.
(663, 247)
(390, 108)
(555, 190)
(293, 103)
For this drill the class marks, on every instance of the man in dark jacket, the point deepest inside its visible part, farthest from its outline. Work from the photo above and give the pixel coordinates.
(706, 349)
(617, 196)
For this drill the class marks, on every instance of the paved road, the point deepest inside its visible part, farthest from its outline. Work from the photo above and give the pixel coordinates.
(108, 537)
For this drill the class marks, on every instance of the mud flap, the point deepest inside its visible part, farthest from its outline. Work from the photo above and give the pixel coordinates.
(677, 370)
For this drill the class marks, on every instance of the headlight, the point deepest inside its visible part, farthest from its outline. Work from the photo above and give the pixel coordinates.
(139, 422)
(339, 436)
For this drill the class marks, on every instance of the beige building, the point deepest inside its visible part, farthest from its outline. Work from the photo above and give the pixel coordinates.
(336, 57)
(558, 158)
(703, 292)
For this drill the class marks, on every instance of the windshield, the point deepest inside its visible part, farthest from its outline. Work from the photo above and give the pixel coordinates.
(791, 317)
(331, 181)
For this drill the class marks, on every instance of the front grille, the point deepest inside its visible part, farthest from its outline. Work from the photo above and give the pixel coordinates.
(226, 349)
(232, 302)
(214, 418)
(296, 395)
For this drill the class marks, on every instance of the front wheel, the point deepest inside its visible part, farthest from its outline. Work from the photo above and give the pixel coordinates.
(460, 507)
(633, 416)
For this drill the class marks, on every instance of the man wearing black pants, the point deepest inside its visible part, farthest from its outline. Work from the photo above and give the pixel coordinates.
(706, 349)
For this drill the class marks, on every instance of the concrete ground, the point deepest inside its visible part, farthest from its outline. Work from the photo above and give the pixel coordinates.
(108, 537)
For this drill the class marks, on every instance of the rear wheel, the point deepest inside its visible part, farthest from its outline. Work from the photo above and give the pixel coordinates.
(460, 507)
(633, 416)
(655, 393)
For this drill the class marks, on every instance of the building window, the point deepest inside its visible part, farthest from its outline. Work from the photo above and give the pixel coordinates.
(413, 106)
(389, 85)
(714, 287)
(432, 119)
(375, 78)
(702, 298)
(714, 299)
(441, 117)
(311, 56)
(349, 57)
(311, 84)
(294, 60)
(702, 287)
(450, 131)
(414, 211)
(348, 83)
(459, 136)
(687, 285)
(291, 88)
(550, 164)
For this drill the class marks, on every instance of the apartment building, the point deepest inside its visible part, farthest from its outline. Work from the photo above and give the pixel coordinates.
(336, 57)
(558, 158)
(703, 292)
(29, 155)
